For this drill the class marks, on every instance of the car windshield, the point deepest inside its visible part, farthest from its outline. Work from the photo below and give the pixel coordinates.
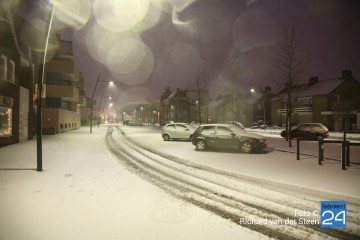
(237, 130)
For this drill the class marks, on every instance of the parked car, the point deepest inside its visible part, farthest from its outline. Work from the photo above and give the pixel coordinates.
(309, 131)
(227, 136)
(135, 123)
(177, 131)
(236, 124)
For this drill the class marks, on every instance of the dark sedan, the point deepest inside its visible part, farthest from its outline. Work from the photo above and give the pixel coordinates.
(308, 131)
(227, 136)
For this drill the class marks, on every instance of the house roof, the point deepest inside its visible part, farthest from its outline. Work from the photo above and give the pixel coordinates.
(318, 88)
(252, 98)
(179, 94)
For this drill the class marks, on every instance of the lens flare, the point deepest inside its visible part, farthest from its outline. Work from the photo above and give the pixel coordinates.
(120, 15)
(131, 62)
(73, 13)
(254, 29)
(182, 59)
(133, 96)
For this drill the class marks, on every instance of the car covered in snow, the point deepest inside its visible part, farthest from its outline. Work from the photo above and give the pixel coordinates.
(177, 131)
(227, 136)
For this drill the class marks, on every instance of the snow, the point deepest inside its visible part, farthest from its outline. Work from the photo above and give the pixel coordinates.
(85, 192)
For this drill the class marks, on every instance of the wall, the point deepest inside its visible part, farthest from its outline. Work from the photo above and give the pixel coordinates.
(60, 119)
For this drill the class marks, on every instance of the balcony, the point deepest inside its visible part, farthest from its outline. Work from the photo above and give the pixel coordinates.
(65, 66)
(66, 92)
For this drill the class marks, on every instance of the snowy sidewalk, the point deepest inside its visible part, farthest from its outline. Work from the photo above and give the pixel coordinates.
(84, 193)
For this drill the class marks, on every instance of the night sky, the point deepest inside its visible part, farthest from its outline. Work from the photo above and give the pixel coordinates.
(211, 38)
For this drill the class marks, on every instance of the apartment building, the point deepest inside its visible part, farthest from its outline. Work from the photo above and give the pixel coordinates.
(18, 72)
(65, 92)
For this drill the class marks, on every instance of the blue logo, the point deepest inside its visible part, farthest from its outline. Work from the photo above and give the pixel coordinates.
(333, 214)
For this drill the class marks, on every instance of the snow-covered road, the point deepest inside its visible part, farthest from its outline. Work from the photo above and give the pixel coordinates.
(146, 188)
(269, 207)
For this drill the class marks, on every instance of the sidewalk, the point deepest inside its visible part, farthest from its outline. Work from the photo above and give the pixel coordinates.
(84, 194)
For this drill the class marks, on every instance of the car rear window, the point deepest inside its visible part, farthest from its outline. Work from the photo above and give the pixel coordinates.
(317, 128)
(208, 130)
(170, 126)
(179, 126)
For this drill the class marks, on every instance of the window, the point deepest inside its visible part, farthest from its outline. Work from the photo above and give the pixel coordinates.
(208, 130)
(5, 121)
(305, 102)
(53, 102)
(11, 72)
(53, 78)
(171, 127)
(223, 131)
(3, 68)
(181, 127)
(259, 106)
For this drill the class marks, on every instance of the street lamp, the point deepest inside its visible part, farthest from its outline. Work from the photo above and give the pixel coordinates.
(141, 114)
(92, 100)
(39, 100)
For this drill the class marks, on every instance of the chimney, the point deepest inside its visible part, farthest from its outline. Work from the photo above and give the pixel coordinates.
(346, 74)
(313, 80)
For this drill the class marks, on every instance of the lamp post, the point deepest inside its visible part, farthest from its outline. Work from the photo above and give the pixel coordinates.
(39, 99)
(92, 100)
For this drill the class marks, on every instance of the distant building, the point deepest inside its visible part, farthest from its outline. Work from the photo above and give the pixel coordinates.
(247, 108)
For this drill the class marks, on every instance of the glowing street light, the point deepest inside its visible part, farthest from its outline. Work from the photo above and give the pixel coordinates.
(92, 100)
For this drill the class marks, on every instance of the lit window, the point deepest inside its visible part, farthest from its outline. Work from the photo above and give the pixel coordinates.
(5, 121)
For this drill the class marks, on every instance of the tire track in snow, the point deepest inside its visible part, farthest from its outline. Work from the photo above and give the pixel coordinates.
(229, 195)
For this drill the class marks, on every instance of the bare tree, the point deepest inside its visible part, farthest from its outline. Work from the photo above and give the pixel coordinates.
(341, 109)
(290, 70)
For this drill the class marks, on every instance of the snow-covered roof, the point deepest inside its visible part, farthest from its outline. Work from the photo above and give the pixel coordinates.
(253, 97)
(315, 89)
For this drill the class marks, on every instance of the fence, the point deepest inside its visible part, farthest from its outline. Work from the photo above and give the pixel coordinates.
(345, 149)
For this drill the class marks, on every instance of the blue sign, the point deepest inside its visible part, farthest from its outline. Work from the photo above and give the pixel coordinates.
(333, 214)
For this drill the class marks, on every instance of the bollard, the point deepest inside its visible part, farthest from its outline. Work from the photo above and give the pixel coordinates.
(298, 149)
(321, 151)
(347, 156)
(343, 156)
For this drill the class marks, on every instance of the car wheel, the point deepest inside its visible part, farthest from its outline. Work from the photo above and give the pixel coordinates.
(201, 145)
(166, 137)
(319, 137)
(246, 147)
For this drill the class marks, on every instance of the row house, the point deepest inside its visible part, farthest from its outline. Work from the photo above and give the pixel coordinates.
(332, 102)
(247, 108)
(177, 106)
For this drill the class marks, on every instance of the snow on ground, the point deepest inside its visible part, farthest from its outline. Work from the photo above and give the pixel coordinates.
(84, 193)
(274, 166)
